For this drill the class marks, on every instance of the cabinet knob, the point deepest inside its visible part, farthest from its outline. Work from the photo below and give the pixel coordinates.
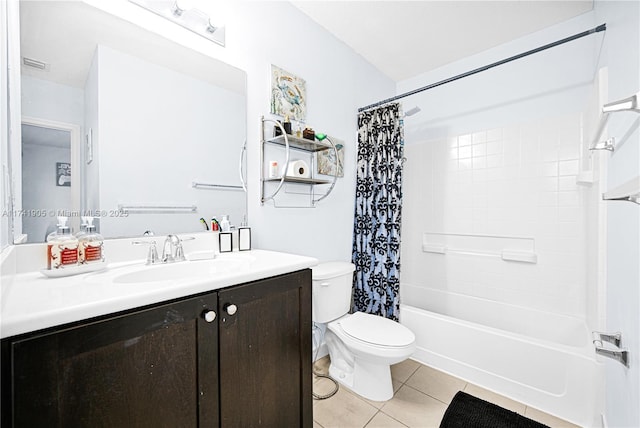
(209, 316)
(231, 309)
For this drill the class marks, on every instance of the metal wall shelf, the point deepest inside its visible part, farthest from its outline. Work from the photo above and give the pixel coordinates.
(631, 103)
(300, 143)
(299, 180)
(289, 142)
(629, 191)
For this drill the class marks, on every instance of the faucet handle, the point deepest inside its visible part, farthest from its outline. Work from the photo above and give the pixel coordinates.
(152, 255)
(179, 257)
(180, 254)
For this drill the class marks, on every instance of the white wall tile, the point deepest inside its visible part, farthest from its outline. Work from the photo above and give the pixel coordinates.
(568, 167)
(512, 181)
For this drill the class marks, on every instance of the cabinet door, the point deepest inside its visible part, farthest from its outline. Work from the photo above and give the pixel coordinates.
(265, 353)
(150, 368)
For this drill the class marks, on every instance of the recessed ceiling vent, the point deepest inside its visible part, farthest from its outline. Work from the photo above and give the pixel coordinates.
(34, 63)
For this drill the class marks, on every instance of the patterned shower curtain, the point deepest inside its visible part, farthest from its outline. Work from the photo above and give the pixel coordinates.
(376, 236)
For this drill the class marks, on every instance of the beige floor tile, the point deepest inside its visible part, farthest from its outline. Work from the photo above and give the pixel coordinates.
(436, 383)
(419, 403)
(494, 398)
(381, 420)
(343, 410)
(415, 409)
(403, 370)
(547, 419)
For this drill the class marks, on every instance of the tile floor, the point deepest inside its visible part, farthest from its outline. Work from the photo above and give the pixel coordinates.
(421, 398)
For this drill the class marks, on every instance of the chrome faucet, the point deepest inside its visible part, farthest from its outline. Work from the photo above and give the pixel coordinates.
(172, 250)
(152, 255)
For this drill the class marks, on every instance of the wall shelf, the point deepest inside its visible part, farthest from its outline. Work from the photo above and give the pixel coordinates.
(299, 180)
(310, 147)
(631, 103)
(300, 143)
(629, 191)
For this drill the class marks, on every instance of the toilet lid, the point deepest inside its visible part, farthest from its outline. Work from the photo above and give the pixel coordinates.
(377, 330)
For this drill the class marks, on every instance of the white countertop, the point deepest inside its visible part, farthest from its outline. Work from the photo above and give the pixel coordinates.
(30, 301)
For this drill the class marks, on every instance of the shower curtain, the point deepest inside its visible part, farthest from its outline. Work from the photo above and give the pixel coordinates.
(376, 237)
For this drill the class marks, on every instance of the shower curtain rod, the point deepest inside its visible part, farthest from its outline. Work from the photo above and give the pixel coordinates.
(597, 29)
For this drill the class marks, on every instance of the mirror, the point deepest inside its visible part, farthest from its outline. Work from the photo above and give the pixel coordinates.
(154, 132)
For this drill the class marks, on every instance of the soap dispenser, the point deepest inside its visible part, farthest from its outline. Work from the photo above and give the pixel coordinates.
(83, 231)
(62, 247)
(91, 244)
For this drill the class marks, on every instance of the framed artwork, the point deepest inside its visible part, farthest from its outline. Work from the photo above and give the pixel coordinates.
(63, 174)
(288, 95)
(326, 159)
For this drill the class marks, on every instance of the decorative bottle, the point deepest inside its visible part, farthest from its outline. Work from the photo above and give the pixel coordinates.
(287, 125)
(225, 226)
(91, 245)
(82, 232)
(62, 247)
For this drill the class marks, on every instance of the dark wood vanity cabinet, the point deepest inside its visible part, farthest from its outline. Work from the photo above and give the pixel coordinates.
(171, 364)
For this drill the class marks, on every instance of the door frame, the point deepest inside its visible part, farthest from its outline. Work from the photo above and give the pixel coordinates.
(76, 158)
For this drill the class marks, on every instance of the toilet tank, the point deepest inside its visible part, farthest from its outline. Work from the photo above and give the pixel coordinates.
(332, 282)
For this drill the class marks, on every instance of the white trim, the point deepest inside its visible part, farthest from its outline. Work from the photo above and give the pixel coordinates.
(5, 226)
(14, 104)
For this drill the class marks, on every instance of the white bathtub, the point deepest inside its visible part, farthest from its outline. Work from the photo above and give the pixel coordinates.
(543, 360)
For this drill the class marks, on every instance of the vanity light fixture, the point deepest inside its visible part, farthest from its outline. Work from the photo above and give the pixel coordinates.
(185, 14)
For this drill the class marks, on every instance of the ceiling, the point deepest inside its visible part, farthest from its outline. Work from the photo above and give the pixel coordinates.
(406, 38)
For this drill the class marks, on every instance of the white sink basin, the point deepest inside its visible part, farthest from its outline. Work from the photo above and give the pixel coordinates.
(187, 270)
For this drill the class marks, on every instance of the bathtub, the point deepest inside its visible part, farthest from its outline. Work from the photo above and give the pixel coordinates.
(544, 360)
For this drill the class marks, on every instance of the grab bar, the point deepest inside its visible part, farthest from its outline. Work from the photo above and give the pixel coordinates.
(129, 209)
(620, 355)
(197, 185)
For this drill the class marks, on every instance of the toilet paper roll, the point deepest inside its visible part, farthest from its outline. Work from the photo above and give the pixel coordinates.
(299, 169)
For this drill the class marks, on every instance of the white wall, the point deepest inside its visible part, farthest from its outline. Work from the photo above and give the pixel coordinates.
(621, 56)
(52, 101)
(338, 82)
(90, 171)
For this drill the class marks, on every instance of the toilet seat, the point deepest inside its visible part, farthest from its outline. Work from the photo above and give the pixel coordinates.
(376, 330)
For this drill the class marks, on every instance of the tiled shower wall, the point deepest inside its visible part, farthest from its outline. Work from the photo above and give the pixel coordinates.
(516, 181)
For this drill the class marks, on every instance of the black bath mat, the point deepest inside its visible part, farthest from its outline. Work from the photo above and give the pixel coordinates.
(467, 411)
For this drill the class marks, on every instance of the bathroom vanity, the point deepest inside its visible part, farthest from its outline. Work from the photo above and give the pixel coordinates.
(230, 350)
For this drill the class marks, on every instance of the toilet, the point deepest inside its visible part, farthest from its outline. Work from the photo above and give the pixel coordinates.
(362, 347)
